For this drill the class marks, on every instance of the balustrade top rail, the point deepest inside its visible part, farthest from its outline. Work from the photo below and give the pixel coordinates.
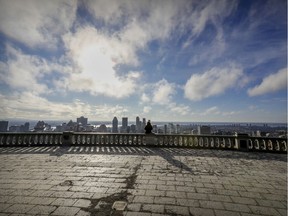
(233, 142)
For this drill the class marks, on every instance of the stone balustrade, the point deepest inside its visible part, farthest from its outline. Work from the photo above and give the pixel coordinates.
(238, 142)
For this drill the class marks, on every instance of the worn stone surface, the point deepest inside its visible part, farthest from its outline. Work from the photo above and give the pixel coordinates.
(153, 181)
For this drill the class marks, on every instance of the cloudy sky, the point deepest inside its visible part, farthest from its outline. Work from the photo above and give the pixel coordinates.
(181, 60)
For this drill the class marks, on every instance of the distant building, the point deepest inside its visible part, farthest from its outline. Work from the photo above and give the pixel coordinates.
(115, 125)
(178, 129)
(133, 128)
(155, 129)
(14, 128)
(3, 126)
(171, 128)
(143, 124)
(102, 128)
(206, 130)
(40, 126)
(26, 127)
(124, 128)
(138, 124)
(165, 129)
(82, 120)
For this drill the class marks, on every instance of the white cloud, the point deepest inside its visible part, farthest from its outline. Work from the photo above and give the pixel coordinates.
(30, 106)
(211, 111)
(27, 72)
(36, 23)
(179, 109)
(147, 109)
(163, 92)
(212, 82)
(144, 98)
(272, 83)
(96, 56)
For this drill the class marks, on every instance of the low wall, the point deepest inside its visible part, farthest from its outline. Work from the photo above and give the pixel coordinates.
(237, 142)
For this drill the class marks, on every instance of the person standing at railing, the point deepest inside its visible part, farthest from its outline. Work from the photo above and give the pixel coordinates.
(148, 128)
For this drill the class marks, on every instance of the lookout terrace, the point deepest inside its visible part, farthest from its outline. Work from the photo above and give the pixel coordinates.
(135, 174)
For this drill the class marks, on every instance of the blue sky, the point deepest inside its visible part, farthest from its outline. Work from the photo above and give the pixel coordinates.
(184, 60)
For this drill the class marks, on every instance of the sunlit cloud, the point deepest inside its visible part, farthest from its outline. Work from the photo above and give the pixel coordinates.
(272, 83)
(37, 23)
(212, 82)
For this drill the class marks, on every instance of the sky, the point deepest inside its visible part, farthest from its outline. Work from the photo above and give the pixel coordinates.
(170, 60)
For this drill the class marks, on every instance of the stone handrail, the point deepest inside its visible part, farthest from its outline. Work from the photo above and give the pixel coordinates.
(236, 142)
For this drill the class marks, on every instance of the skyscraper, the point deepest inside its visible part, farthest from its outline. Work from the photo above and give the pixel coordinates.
(124, 124)
(3, 126)
(138, 124)
(82, 120)
(115, 125)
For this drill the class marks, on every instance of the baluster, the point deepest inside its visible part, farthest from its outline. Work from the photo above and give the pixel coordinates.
(45, 139)
(212, 144)
(256, 144)
(41, 140)
(19, 140)
(200, 142)
(84, 137)
(36, 140)
(283, 146)
(270, 145)
(195, 143)
(263, 145)
(217, 143)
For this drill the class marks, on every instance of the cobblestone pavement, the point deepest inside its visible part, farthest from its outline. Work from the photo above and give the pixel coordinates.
(153, 181)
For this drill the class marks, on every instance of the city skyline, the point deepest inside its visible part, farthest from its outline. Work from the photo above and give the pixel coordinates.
(184, 61)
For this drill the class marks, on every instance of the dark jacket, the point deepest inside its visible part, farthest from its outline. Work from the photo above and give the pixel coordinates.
(148, 128)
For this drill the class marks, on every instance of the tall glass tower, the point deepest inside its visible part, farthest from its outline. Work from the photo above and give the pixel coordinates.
(115, 125)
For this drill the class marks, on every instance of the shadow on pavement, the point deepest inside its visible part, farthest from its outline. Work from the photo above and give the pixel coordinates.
(167, 153)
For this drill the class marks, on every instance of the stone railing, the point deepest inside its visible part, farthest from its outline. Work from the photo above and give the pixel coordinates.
(238, 142)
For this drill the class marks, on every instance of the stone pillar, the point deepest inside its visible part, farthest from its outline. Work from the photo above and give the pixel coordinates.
(241, 141)
(150, 140)
(67, 138)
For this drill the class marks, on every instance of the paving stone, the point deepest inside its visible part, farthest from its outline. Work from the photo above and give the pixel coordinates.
(201, 212)
(19, 208)
(187, 202)
(83, 213)
(64, 202)
(226, 213)
(211, 204)
(264, 210)
(42, 209)
(223, 198)
(153, 208)
(155, 193)
(67, 211)
(236, 207)
(82, 203)
(42, 201)
(4, 206)
(164, 200)
(244, 200)
(197, 196)
(143, 199)
(175, 194)
(135, 207)
(21, 200)
(138, 214)
(82, 195)
(166, 187)
(62, 194)
(178, 210)
(283, 212)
